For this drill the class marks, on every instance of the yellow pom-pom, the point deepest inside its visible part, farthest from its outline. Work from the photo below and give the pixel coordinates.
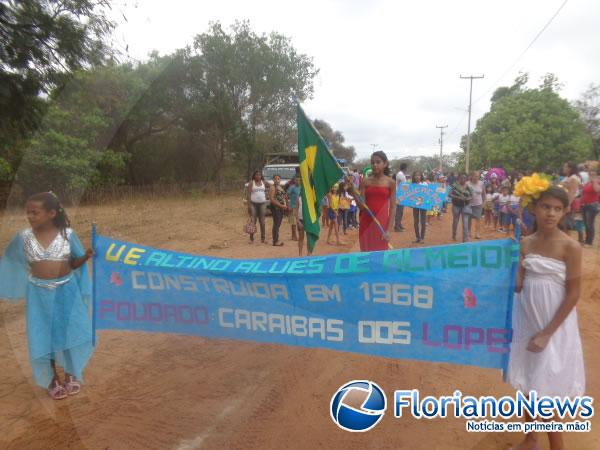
(531, 187)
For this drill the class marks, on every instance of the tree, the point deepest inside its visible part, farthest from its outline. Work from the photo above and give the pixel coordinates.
(335, 140)
(71, 149)
(529, 129)
(361, 163)
(197, 115)
(426, 164)
(589, 108)
(248, 84)
(42, 41)
(151, 112)
(63, 156)
(517, 86)
(395, 164)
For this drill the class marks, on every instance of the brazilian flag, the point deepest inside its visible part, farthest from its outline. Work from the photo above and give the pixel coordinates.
(319, 170)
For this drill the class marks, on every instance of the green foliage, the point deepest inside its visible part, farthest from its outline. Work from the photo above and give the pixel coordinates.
(529, 129)
(64, 158)
(57, 162)
(206, 113)
(589, 108)
(41, 42)
(247, 84)
(196, 194)
(427, 164)
(335, 140)
(5, 170)
(110, 168)
(517, 87)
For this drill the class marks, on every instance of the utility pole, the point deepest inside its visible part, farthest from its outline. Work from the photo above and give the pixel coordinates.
(471, 78)
(441, 127)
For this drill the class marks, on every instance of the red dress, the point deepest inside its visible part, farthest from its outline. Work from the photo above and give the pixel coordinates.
(377, 199)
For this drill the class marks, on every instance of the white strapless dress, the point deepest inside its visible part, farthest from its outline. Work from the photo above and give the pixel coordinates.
(557, 370)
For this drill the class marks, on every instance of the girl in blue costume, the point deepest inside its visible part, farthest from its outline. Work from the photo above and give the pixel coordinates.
(46, 264)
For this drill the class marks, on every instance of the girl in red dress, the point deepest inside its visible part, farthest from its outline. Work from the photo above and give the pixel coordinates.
(379, 193)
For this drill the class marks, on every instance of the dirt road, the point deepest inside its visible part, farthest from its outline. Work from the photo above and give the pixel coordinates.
(154, 391)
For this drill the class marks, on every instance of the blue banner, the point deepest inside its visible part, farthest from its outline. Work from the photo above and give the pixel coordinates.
(449, 304)
(422, 196)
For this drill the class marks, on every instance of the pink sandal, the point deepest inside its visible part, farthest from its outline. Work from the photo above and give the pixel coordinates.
(72, 386)
(57, 391)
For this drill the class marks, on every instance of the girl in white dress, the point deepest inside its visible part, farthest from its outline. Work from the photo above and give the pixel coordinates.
(546, 354)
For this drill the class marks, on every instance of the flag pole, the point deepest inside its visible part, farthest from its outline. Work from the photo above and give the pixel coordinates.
(94, 285)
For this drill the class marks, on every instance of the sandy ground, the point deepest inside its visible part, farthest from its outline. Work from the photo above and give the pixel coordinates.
(179, 392)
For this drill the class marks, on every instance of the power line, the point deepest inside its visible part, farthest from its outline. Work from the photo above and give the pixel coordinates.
(493, 85)
(458, 124)
(524, 51)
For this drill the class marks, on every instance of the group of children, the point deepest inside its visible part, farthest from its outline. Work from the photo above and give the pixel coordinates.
(502, 209)
(46, 263)
(339, 210)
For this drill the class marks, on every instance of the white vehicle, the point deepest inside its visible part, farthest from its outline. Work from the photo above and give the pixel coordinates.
(287, 172)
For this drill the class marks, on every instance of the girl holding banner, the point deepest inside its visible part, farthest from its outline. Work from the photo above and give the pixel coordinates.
(46, 264)
(546, 354)
(379, 193)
